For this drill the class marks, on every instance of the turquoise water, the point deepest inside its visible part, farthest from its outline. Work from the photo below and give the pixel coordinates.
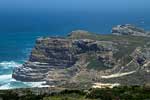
(18, 33)
(14, 50)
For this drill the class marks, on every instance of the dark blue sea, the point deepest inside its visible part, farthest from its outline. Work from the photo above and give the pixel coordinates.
(18, 32)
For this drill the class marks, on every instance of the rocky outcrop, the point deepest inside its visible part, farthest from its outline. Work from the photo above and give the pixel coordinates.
(54, 51)
(128, 29)
(83, 57)
(31, 72)
(54, 59)
(48, 54)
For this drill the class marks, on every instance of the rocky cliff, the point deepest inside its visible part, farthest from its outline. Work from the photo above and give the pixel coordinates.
(84, 57)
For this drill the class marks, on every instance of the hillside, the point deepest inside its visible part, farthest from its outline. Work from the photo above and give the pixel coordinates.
(84, 59)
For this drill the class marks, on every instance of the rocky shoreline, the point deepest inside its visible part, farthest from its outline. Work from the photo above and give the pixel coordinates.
(83, 57)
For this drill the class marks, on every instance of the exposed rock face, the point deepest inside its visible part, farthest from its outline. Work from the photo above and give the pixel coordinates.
(49, 53)
(51, 57)
(88, 58)
(128, 29)
(54, 51)
(136, 72)
(31, 72)
(85, 45)
(107, 59)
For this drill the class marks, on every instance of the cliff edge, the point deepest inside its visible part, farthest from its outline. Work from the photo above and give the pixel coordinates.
(84, 57)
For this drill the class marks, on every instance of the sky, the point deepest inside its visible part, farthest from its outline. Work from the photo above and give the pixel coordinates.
(73, 5)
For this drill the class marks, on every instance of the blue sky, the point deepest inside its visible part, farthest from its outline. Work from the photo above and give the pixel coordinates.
(75, 5)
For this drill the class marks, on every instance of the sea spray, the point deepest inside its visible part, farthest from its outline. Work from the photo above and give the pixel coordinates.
(9, 64)
(6, 80)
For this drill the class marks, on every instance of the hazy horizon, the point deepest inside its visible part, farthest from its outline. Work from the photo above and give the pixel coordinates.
(9, 6)
(60, 15)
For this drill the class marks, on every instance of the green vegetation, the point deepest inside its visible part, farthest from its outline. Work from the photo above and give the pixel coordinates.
(126, 44)
(94, 63)
(117, 93)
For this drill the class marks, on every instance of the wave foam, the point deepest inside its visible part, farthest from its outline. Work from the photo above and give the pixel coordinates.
(9, 64)
(5, 87)
(13, 84)
(7, 82)
(5, 77)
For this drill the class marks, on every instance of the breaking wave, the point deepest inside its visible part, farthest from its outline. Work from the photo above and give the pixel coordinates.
(9, 64)
(6, 80)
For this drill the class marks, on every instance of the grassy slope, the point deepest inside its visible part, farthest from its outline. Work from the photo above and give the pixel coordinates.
(124, 51)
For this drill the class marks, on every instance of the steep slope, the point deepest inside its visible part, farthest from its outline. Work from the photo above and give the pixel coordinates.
(87, 58)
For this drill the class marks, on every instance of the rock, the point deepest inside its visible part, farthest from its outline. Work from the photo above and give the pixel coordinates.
(49, 53)
(31, 71)
(107, 59)
(128, 29)
(54, 51)
(85, 45)
(83, 57)
(55, 55)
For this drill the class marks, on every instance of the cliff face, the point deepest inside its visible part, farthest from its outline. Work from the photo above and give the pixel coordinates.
(48, 54)
(83, 57)
(53, 51)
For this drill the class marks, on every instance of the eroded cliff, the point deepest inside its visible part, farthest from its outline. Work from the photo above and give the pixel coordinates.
(83, 57)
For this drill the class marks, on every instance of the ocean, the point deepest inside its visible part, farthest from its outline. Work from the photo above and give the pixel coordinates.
(18, 32)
